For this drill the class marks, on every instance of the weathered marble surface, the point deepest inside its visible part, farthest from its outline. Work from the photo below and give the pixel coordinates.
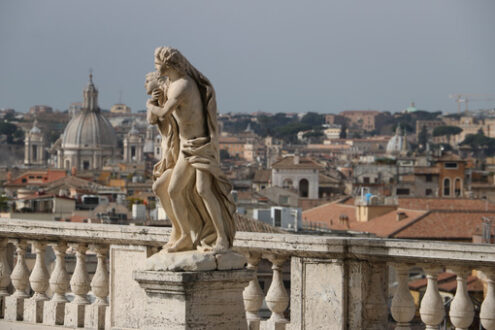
(194, 261)
(189, 183)
(194, 300)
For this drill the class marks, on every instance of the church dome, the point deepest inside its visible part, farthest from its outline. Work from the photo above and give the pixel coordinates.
(89, 129)
(35, 129)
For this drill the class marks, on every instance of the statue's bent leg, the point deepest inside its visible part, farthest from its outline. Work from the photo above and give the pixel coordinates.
(160, 189)
(204, 185)
(182, 175)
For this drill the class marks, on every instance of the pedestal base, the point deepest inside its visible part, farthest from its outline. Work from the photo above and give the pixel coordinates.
(54, 313)
(74, 315)
(95, 316)
(194, 300)
(14, 308)
(33, 310)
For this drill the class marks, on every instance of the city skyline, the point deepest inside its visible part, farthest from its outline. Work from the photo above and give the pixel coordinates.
(275, 57)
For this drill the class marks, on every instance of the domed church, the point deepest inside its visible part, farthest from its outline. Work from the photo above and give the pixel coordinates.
(89, 140)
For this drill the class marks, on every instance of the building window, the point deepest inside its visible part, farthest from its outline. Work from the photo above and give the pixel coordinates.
(283, 199)
(450, 165)
(429, 178)
(446, 187)
(428, 192)
(287, 184)
(458, 187)
(303, 188)
(133, 152)
(402, 191)
(86, 165)
(366, 179)
(278, 218)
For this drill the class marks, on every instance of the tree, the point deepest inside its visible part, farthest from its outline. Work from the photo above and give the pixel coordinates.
(14, 134)
(313, 119)
(480, 144)
(447, 131)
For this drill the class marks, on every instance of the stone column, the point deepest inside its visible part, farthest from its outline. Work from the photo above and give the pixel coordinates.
(253, 295)
(431, 310)
(487, 312)
(14, 304)
(403, 308)
(277, 298)
(33, 309)
(461, 309)
(95, 313)
(79, 283)
(194, 300)
(4, 275)
(59, 284)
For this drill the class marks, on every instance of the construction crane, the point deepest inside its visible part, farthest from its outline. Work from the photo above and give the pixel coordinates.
(466, 98)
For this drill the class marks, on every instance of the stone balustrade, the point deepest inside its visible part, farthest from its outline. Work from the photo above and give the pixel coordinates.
(335, 282)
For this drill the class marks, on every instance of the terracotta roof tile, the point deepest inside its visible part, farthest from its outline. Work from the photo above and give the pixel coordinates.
(445, 225)
(262, 176)
(447, 282)
(288, 163)
(424, 218)
(245, 224)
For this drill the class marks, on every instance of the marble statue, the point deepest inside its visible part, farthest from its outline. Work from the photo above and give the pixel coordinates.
(192, 189)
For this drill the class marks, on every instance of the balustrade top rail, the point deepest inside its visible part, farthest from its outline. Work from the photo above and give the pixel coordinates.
(396, 250)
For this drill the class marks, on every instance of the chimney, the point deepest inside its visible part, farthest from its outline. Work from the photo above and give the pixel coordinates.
(401, 216)
(296, 159)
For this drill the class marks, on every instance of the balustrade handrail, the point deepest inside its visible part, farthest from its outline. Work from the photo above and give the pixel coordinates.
(397, 250)
(83, 232)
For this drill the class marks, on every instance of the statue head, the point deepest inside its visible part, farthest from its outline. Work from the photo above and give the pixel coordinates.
(152, 82)
(167, 58)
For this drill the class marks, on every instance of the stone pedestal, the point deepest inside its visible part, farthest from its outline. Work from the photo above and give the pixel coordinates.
(74, 315)
(194, 300)
(14, 308)
(54, 312)
(95, 316)
(33, 310)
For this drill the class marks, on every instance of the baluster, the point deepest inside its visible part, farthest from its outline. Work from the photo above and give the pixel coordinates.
(33, 311)
(431, 310)
(487, 312)
(461, 309)
(95, 314)
(59, 284)
(253, 295)
(403, 307)
(277, 298)
(4, 275)
(79, 283)
(14, 304)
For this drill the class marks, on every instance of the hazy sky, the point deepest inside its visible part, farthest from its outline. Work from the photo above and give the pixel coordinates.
(275, 56)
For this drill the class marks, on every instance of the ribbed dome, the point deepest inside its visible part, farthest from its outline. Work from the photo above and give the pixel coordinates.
(89, 129)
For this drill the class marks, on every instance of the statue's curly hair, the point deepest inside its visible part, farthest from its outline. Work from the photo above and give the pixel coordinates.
(173, 58)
